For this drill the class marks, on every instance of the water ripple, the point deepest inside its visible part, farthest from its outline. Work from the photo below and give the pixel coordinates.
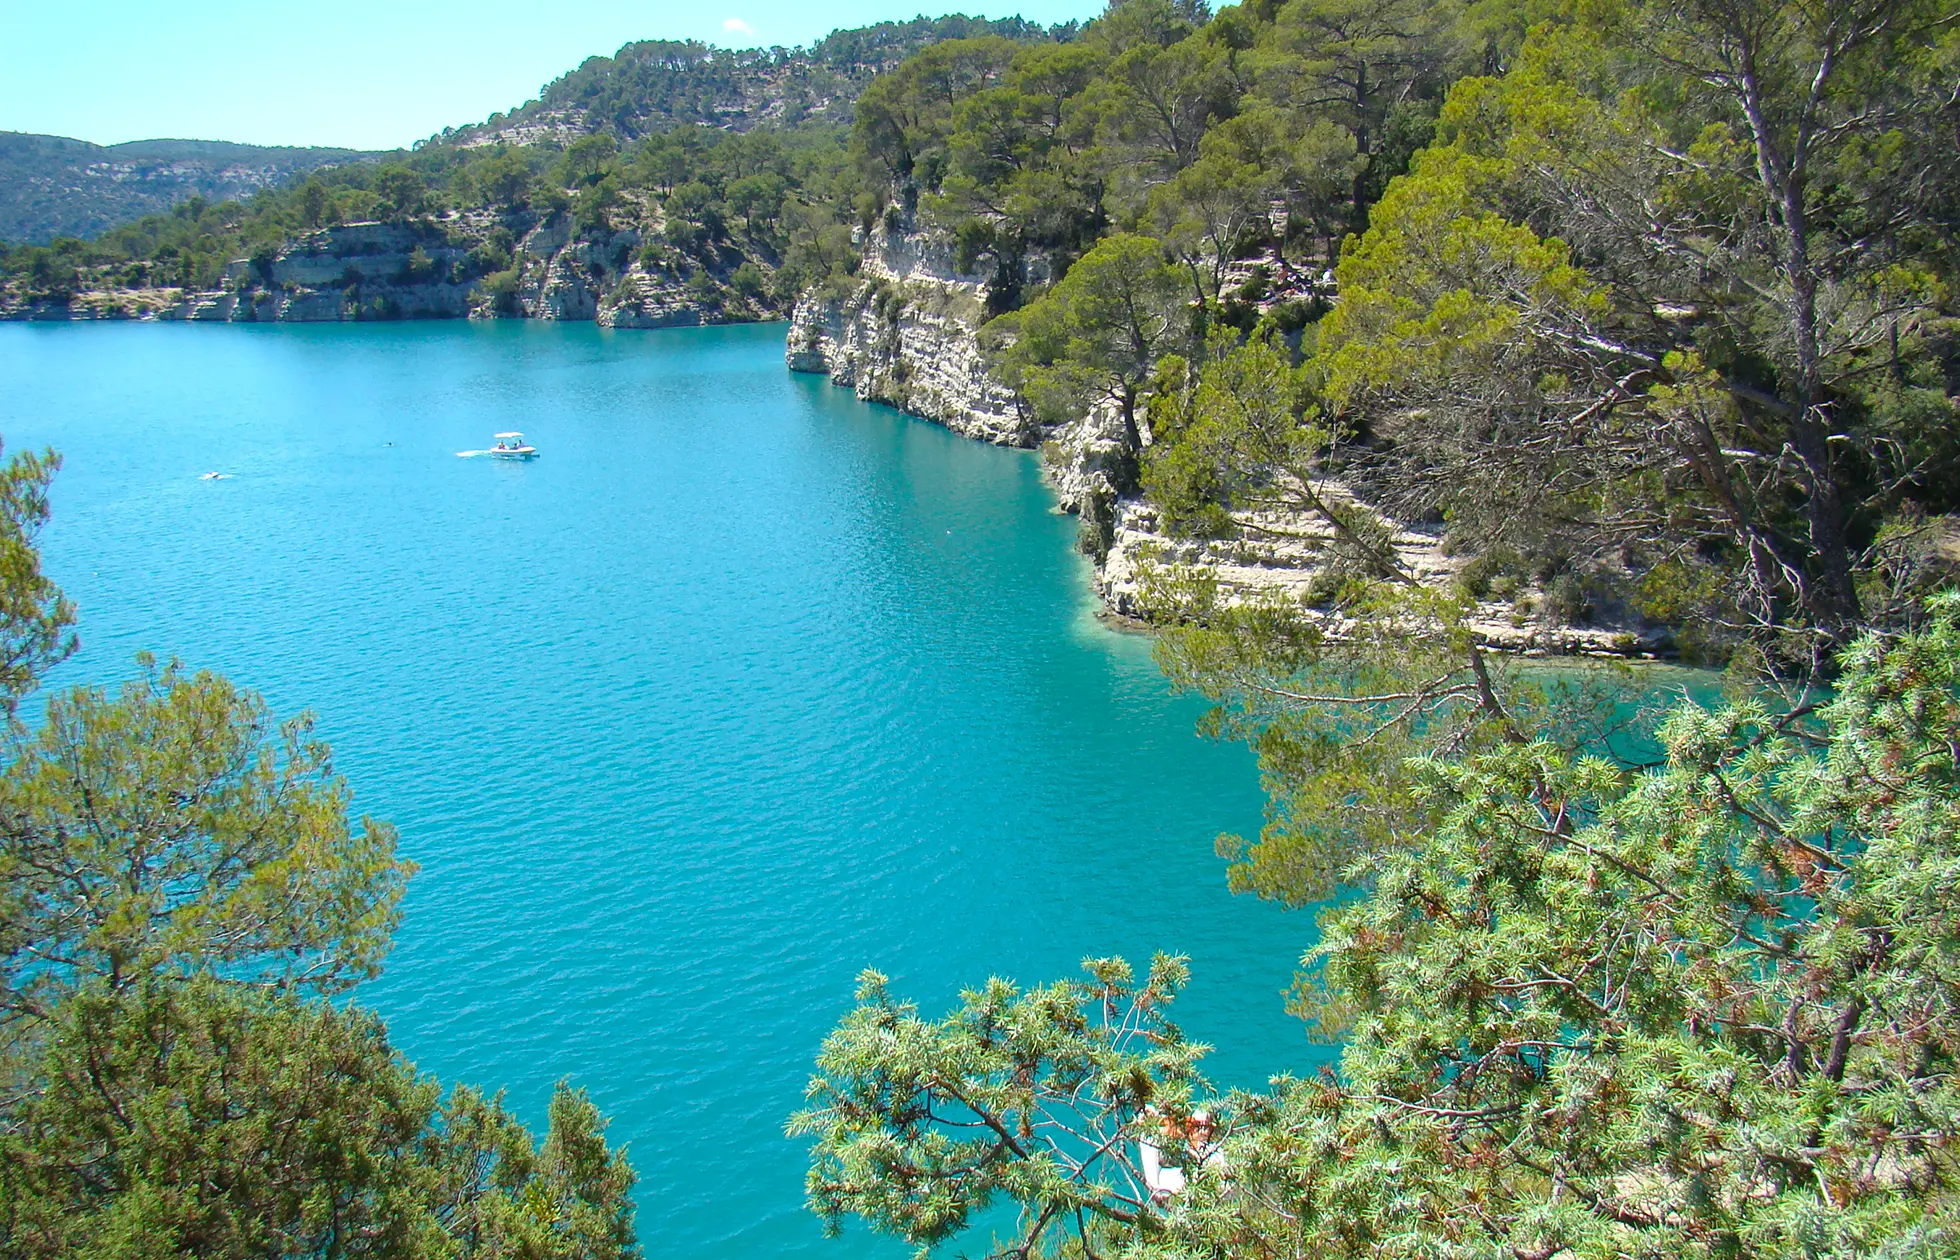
(739, 688)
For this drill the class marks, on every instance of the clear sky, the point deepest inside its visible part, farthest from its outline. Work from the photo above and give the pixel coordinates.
(368, 74)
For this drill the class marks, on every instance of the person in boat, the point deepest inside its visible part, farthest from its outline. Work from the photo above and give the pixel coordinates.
(1171, 1156)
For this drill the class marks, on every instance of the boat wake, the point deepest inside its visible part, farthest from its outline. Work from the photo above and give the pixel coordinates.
(213, 476)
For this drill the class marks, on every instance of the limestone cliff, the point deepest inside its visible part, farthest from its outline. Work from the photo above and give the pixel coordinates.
(471, 264)
(351, 271)
(903, 333)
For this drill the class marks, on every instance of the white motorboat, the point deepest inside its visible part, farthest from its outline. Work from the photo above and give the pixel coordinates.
(512, 446)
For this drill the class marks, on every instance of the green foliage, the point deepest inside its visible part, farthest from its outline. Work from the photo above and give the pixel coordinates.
(174, 828)
(592, 215)
(1336, 700)
(1157, 121)
(747, 283)
(653, 86)
(586, 161)
(1098, 333)
(36, 621)
(1630, 387)
(51, 187)
(1713, 1002)
(181, 892)
(1215, 431)
(903, 118)
(1021, 1097)
(401, 193)
(502, 179)
(206, 1119)
(1705, 1008)
(1370, 664)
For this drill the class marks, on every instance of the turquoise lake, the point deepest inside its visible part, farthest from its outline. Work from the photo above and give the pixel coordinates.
(743, 686)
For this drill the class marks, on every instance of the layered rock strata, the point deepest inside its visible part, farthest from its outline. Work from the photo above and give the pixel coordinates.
(430, 270)
(1284, 556)
(904, 333)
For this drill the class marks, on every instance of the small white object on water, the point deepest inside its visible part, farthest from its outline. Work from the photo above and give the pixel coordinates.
(213, 476)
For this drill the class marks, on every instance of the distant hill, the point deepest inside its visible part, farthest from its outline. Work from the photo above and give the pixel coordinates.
(654, 85)
(52, 187)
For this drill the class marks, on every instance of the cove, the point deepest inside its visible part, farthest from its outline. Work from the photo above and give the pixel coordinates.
(741, 687)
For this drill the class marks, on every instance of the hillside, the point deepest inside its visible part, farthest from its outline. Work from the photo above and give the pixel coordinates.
(51, 186)
(655, 85)
(670, 182)
(1406, 239)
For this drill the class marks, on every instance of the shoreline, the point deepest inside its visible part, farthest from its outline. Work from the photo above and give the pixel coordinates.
(1076, 481)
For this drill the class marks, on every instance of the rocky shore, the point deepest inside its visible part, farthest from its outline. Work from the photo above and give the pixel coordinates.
(466, 265)
(904, 333)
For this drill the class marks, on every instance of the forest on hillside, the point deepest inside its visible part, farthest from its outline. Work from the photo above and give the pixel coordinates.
(1638, 306)
(723, 164)
(1642, 307)
(52, 187)
(1608, 305)
(731, 211)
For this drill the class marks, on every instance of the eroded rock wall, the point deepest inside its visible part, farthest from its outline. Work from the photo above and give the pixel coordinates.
(904, 334)
(427, 270)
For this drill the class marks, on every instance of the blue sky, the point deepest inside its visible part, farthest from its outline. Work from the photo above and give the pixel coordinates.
(370, 74)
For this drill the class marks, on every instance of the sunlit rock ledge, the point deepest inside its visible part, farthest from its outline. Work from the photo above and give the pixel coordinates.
(1280, 557)
(904, 332)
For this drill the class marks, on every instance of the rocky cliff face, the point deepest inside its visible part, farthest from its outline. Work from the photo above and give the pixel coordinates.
(904, 334)
(465, 265)
(372, 269)
(352, 271)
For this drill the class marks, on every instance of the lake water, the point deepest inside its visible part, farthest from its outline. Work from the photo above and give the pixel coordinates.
(742, 687)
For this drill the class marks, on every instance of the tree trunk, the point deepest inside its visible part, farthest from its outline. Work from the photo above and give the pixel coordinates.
(1835, 601)
(1363, 142)
(1833, 597)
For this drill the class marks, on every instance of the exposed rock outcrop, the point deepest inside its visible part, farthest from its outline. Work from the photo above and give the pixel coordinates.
(641, 300)
(401, 271)
(1286, 556)
(477, 264)
(904, 334)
